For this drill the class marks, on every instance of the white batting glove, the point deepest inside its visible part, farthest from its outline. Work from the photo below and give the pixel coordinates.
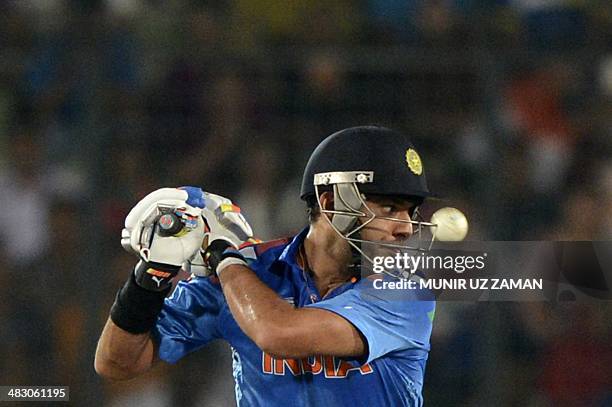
(162, 254)
(225, 222)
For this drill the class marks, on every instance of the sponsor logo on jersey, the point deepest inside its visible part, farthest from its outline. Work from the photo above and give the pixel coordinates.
(330, 366)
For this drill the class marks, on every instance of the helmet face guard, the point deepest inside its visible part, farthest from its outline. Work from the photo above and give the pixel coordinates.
(351, 214)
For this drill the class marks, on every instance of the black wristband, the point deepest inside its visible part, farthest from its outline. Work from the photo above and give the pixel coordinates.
(135, 309)
(217, 251)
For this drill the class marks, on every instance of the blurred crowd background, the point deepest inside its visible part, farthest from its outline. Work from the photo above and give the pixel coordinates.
(103, 101)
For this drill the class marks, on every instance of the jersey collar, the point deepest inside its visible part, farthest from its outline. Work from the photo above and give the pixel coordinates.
(289, 257)
(289, 254)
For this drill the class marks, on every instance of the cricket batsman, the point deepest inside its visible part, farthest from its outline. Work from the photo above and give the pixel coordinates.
(305, 328)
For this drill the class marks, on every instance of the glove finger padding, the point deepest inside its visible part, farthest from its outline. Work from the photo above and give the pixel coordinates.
(225, 221)
(141, 224)
(174, 250)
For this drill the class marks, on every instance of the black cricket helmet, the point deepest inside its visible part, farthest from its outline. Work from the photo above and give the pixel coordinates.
(361, 161)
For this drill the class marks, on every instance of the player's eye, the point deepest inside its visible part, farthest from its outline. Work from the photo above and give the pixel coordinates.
(389, 209)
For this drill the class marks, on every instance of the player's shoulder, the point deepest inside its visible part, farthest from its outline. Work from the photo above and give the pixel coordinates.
(400, 293)
(256, 249)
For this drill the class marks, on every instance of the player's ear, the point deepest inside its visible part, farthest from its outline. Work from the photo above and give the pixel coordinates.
(327, 201)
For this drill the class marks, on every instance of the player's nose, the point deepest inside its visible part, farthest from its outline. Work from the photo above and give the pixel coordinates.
(403, 230)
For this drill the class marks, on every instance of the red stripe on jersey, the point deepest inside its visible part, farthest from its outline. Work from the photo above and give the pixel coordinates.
(265, 246)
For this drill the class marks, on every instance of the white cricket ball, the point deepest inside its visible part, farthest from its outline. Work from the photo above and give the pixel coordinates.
(452, 225)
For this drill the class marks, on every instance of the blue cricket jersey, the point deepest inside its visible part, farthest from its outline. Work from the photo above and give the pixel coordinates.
(397, 326)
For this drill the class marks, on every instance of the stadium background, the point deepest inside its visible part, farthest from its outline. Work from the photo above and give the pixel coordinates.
(104, 101)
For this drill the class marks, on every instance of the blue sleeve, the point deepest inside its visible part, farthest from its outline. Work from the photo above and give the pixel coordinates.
(390, 320)
(188, 319)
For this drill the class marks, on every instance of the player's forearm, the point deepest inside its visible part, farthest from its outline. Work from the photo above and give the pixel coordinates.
(258, 310)
(121, 355)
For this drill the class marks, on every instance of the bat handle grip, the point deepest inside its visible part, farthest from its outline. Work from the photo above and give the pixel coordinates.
(169, 224)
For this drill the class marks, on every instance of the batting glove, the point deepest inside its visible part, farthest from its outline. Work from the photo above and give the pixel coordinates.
(165, 229)
(224, 222)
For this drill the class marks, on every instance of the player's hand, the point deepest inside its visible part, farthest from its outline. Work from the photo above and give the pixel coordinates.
(224, 221)
(147, 229)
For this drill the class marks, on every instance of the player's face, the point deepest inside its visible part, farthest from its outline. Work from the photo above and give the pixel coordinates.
(385, 229)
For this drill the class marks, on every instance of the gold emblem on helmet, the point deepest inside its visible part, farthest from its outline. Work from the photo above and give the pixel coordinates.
(414, 161)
